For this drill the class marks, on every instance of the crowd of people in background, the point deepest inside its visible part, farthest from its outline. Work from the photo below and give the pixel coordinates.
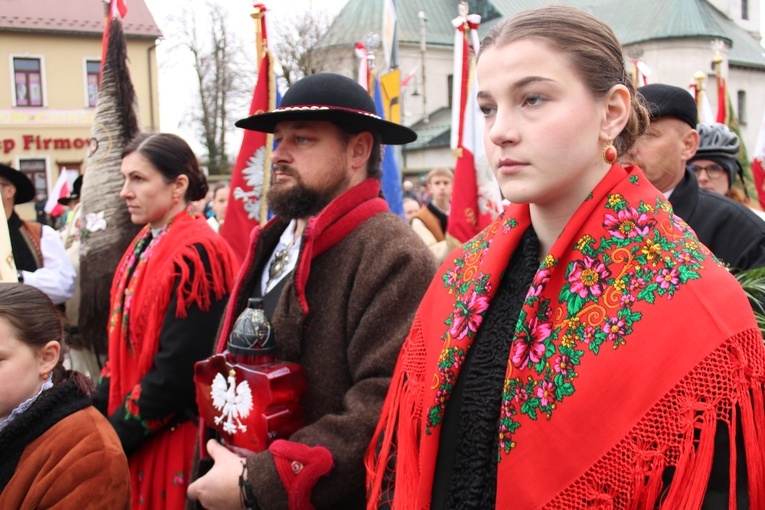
(505, 372)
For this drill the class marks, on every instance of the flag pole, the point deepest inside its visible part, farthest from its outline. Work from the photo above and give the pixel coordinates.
(7, 264)
(698, 77)
(723, 114)
(257, 14)
(261, 49)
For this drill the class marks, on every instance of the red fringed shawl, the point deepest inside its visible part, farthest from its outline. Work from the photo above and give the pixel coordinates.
(632, 343)
(131, 358)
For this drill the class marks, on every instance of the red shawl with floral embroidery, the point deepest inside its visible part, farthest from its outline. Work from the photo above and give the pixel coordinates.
(632, 344)
(134, 339)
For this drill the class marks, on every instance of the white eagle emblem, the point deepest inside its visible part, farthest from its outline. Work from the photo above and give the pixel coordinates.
(253, 176)
(234, 402)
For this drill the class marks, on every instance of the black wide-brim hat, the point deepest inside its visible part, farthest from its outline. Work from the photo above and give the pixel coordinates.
(334, 98)
(25, 190)
(75, 194)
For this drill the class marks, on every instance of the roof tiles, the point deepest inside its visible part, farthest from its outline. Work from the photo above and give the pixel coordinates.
(82, 17)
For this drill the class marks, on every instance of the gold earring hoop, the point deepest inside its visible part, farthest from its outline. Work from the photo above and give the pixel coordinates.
(609, 153)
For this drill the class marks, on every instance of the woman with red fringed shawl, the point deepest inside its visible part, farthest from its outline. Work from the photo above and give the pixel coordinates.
(585, 350)
(167, 298)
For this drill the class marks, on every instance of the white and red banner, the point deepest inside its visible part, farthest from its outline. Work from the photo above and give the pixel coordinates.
(249, 179)
(642, 72)
(476, 199)
(723, 114)
(363, 56)
(702, 104)
(118, 8)
(60, 190)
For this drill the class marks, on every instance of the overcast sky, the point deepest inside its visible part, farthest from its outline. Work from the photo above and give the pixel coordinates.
(176, 76)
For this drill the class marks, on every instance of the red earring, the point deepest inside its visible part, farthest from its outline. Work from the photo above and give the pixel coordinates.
(609, 153)
(175, 201)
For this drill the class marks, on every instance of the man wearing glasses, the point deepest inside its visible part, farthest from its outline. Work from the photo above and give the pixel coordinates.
(730, 229)
(716, 164)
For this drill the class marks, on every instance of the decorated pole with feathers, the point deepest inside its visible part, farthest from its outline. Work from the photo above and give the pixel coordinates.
(106, 227)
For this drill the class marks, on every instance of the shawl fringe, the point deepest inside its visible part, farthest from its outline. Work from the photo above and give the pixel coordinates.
(390, 459)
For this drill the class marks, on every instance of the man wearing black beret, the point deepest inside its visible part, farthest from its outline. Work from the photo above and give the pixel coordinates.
(341, 278)
(731, 230)
(38, 252)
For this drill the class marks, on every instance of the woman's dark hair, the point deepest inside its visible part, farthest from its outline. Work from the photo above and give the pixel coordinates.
(171, 156)
(591, 47)
(34, 319)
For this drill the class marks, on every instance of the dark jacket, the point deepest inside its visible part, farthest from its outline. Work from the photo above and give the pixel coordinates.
(728, 228)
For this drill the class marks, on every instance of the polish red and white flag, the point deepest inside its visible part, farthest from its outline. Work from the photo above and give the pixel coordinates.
(476, 199)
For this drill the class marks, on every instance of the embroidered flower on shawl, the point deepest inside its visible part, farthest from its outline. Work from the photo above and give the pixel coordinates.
(451, 278)
(521, 395)
(448, 365)
(668, 278)
(583, 242)
(468, 315)
(628, 223)
(546, 393)
(563, 365)
(540, 280)
(615, 199)
(509, 224)
(637, 284)
(615, 328)
(529, 347)
(589, 334)
(651, 250)
(587, 277)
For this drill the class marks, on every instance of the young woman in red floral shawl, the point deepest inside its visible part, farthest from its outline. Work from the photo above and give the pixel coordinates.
(167, 298)
(585, 350)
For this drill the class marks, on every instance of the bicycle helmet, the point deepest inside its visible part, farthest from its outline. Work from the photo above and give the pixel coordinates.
(721, 145)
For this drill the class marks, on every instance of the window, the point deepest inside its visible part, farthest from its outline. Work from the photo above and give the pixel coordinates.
(27, 78)
(35, 170)
(92, 70)
(744, 9)
(741, 107)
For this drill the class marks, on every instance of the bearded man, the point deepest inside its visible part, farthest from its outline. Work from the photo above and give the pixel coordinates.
(341, 277)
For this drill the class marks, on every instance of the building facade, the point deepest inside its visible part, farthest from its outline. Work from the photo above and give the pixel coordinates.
(50, 60)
